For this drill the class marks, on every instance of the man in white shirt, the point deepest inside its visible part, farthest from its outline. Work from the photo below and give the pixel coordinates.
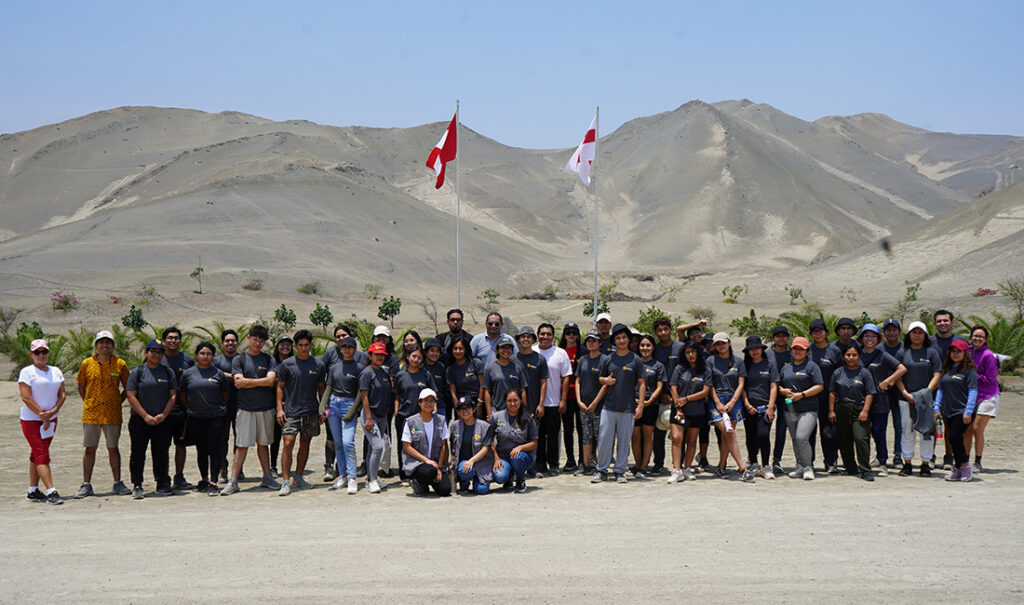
(549, 414)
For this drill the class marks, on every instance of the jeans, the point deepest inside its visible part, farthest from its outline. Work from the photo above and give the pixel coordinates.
(465, 478)
(345, 456)
(879, 422)
(399, 426)
(158, 438)
(897, 425)
(519, 465)
(615, 426)
(801, 428)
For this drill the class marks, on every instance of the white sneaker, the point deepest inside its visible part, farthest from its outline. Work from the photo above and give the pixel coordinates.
(286, 488)
(230, 488)
(768, 474)
(808, 473)
(796, 473)
(340, 483)
(675, 477)
(373, 486)
(353, 487)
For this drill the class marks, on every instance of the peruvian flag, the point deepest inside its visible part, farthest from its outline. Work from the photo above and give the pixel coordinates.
(581, 160)
(443, 152)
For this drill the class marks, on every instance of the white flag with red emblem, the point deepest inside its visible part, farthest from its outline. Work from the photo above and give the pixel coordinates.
(581, 160)
(443, 152)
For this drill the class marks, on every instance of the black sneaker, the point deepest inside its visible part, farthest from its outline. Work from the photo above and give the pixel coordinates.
(165, 490)
(656, 471)
(203, 486)
(777, 469)
(832, 469)
(520, 486)
(867, 476)
(705, 464)
(569, 467)
(926, 470)
(36, 496)
(54, 498)
(907, 469)
(181, 483)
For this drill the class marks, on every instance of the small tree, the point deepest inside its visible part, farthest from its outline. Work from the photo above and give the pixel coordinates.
(389, 309)
(8, 317)
(197, 274)
(286, 317)
(795, 294)
(430, 309)
(321, 316)
(1014, 288)
(134, 319)
(732, 293)
(645, 322)
(908, 304)
(490, 295)
(588, 307)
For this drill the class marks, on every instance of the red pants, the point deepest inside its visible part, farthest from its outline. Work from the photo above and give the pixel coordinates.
(40, 452)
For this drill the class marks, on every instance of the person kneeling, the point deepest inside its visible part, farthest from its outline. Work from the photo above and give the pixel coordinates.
(515, 437)
(470, 446)
(425, 442)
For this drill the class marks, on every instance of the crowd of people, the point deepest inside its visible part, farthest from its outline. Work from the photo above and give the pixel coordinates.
(472, 413)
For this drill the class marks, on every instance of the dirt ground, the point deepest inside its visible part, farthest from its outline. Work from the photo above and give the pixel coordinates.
(836, 538)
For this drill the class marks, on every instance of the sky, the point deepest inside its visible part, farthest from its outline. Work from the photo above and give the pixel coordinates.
(528, 74)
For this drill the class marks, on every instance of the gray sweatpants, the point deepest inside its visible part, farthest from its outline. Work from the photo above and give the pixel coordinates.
(615, 426)
(380, 446)
(801, 427)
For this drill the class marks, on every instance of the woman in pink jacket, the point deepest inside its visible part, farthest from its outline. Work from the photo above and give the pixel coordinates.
(988, 392)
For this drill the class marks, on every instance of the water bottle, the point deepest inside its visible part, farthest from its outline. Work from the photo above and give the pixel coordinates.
(789, 401)
(938, 428)
(728, 423)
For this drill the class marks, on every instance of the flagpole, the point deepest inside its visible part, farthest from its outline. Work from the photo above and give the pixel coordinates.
(597, 128)
(458, 216)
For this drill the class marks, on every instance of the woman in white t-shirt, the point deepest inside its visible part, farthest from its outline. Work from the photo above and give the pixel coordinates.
(42, 395)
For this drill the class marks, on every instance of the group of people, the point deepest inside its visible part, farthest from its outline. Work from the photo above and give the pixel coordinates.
(470, 411)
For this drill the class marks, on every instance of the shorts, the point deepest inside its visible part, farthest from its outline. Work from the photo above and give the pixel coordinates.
(989, 407)
(91, 435)
(178, 425)
(39, 448)
(590, 427)
(255, 428)
(735, 415)
(304, 426)
(692, 421)
(649, 415)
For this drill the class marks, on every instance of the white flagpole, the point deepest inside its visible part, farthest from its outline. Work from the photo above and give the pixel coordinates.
(458, 214)
(597, 128)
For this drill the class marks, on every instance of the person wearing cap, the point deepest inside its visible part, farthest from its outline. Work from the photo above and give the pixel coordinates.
(333, 355)
(571, 428)
(850, 395)
(956, 402)
(376, 403)
(463, 376)
(917, 386)
(827, 356)
(603, 323)
(471, 448)
(382, 335)
(283, 349)
(988, 393)
(432, 363)
(886, 371)
(41, 387)
(484, 346)
(151, 390)
(725, 408)
(892, 343)
(515, 436)
(759, 399)
(944, 335)
(554, 396)
(203, 392)
(406, 387)
(590, 393)
(535, 370)
(455, 333)
(780, 354)
(799, 384)
(845, 330)
(300, 385)
(178, 362)
(668, 352)
(425, 443)
(704, 439)
(255, 374)
(504, 374)
(101, 380)
(330, 357)
(643, 427)
(343, 378)
(690, 385)
(229, 350)
(623, 373)
(692, 331)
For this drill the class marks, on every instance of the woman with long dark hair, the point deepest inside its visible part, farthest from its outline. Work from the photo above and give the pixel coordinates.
(988, 393)
(759, 393)
(515, 437)
(956, 402)
(643, 427)
(570, 343)
(203, 391)
(922, 378)
(725, 410)
(464, 376)
(690, 385)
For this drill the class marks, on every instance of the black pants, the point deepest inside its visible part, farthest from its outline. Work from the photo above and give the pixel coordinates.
(854, 437)
(757, 433)
(547, 442)
(570, 425)
(275, 447)
(829, 437)
(206, 434)
(229, 425)
(780, 436)
(426, 475)
(955, 429)
(399, 425)
(659, 447)
(158, 439)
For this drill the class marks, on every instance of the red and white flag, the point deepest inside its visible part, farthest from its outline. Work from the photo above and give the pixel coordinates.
(581, 160)
(443, 152)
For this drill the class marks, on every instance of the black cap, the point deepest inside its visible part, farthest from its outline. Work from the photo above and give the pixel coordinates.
(753, 342)
(817, 323)
(431, 342)
(348, 341)
(780, 329)
(621, 328)
(464, 400)
(845, 321)
(708, 337)
(892, 321)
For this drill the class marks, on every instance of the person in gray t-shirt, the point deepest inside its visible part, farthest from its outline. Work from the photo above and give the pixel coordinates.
(300, 385)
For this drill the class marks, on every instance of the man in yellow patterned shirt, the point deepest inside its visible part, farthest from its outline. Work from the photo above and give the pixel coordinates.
(101, 381)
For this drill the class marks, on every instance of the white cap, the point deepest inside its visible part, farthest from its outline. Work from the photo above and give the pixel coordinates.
(917, 324)
(381, 330)
(720, 337)
(101, 335)
(427, 393)
(37, 344)
(607, 316)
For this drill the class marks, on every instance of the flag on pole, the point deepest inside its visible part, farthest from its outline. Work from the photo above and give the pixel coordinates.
(443, 152)
(581, 160)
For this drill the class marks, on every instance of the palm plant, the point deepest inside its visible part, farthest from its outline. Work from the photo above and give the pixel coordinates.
(1005, 336)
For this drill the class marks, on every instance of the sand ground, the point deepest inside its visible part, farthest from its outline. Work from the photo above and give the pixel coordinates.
(835, 539)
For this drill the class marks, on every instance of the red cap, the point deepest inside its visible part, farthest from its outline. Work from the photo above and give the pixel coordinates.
(378, 347)
(960, 345)
(800, 343)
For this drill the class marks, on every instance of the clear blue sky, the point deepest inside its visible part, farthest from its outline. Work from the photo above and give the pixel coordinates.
(528, 73)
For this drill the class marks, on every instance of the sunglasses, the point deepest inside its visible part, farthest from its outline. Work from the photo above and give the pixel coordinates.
(493, 323)
(40, 352)
(156, 351)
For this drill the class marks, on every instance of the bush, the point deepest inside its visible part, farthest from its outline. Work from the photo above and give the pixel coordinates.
(145, 295)
(389, 308)
(286, 317)
(490, 295)
(732, 293)
(321, 316)
(312, 287)
(63, 300)
(134, 319)
(602, 307)
(700, 313)
(752, 325)
(645, 322)
(373, 291)
(254, 283)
